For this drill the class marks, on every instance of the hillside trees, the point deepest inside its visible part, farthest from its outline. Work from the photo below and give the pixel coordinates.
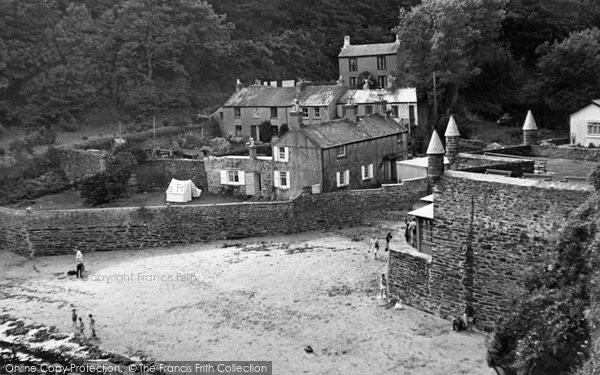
(456, 39)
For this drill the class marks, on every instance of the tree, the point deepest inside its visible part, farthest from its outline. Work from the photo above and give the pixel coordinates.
(455, 39)
(568, 74)
(266, 131)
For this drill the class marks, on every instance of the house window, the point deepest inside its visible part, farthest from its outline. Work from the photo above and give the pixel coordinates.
(352, 82)
(304, 112)
(238, 130)
(352, 65)
(317, 112)
(281, 153)
(366, 171)
(254, 132)
(342, 178)
(256, 113)
(368, 109)
(281, 179)
(237, 112)
(381, 63)
(594, 128)
(275, 130)
(231, 177)
(341, 151)
(273, 112)
(221, 115)
(395, 110)
(381, 81)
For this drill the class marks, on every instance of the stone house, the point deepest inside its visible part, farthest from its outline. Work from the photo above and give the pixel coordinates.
(585, 125)
(349, 153)
(375, 62)
(244, 112)
(400, 102)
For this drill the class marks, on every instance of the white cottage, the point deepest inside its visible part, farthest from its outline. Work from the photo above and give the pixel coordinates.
(585, 125)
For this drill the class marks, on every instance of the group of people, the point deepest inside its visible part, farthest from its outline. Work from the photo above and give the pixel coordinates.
(374, 244)
(80, 326)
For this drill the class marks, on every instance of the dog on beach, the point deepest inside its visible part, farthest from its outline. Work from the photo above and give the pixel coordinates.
(71, 273)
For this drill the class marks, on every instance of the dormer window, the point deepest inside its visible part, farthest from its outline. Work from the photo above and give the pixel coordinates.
(341, 151)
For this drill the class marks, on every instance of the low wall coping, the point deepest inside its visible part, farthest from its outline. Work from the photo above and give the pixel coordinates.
(518, 181)
(414, 253)
(493, 157)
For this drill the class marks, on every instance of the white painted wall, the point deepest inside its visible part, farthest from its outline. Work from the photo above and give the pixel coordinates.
(579, 126)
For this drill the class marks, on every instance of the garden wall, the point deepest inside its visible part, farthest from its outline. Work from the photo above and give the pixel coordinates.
(79, 164)
(156, 174)
(487, 231)
(59, 232)
(551, 152)
(480, 163)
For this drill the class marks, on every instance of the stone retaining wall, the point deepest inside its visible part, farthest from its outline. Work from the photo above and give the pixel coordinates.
(157, 174)
(79, 164)
(487, 231)
(59, 232)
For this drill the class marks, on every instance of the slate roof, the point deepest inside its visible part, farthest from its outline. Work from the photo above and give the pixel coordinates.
(369, 49)
(266, 96)
(403, 95)
(344, 131)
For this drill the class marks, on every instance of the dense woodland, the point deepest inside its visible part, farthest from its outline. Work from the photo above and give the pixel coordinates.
(69, 62)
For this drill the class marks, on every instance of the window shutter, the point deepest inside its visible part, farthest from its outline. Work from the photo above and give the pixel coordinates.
(242, 177)
(286, 153)
(276, 180)
(362, 172)
(370, 170)
(275, 153)
(347, 177)
(337, 179)
(223, 177)
(288, 179)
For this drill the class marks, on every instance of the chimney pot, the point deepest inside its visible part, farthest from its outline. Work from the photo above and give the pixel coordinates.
(238, 85)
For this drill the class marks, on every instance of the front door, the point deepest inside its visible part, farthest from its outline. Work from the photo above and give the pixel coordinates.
(253, 186)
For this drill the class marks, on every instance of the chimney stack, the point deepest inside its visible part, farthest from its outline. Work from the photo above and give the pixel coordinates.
(238, 86)
(529, 130)
(435, 158)
(452, 136)
(381, 102)
(295, 119)
(252, 149)
(346, 41)
(351, 110)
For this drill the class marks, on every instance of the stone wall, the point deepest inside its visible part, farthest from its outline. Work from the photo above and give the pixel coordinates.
(59, 232)
(551, 152)
(261, 165)
(487, 231)
(79, 164)
(480, 163)
(157, 174)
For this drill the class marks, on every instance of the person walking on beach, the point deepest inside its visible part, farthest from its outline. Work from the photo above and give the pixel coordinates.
(376, 247)
(92, 326)
(81, 328)
(74, 318)
(79, 263)
(383, 286)
(371, 243)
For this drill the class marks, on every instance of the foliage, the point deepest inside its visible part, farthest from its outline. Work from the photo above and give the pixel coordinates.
(457, 39)
(594, 178)
(568, 73)
(283, 129)
(547, 332)
(112, 183)
(266, 131)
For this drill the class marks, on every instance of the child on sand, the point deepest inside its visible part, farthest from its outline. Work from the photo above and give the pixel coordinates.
(92, 326)
(376, 247)
(383, 286)
(74, 318)
(81, 327)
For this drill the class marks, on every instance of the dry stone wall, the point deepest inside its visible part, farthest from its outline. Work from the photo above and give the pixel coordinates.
(59, 232)
(487, 231)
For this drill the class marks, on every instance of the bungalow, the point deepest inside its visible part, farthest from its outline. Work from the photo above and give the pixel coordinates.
(249, 107)
(585, 125)
(348, 153)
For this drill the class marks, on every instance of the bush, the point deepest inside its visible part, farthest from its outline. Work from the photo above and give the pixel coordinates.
(594, 178)
(102, 188)
(266, 131)
(591, 145)
(283, 129)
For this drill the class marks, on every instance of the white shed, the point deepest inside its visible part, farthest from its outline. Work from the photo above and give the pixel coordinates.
(585, 125)
(414, 168)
